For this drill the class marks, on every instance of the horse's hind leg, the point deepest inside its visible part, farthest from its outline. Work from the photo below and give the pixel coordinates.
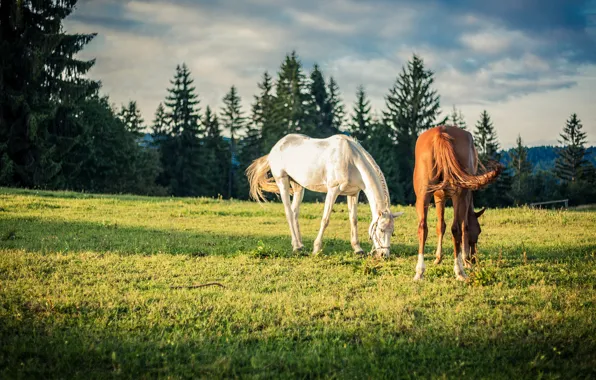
(422, 202)
(353, 211)
(332, 194)
(440, 204)
(297, 199)
(284, 192)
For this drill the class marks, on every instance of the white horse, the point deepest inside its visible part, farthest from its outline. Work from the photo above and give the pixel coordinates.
(337, 165)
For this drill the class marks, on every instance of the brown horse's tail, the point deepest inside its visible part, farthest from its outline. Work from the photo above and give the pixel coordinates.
(452, 173)
(258, 179)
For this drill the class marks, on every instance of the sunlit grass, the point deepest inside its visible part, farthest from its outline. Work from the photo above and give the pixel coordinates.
(85, 291)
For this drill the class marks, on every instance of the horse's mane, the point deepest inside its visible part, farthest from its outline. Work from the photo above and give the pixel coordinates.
(375, 166)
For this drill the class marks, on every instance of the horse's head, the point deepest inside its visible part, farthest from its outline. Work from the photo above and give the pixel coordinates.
(474, 230)
(380, 231)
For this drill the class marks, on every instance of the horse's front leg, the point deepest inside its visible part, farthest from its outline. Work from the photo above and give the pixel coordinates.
(457, 229)
(332, 194)
(284, 192)
(353, 211)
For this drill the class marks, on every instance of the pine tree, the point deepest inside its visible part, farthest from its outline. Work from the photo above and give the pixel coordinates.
(319, 104)
(522, 170)
(336, 108)
(412, 107)
(132, 119)
(485, 139)
(182, 103)
(293, 113)
(181, 151)
(217, 153)
(160, 127)
(380, 144)
(571, 161)
(261, 124)
(457, 118)
(361, 127)
(263, 114)
(111, 159)
(42, 90)
(234, 121)
(487, 145)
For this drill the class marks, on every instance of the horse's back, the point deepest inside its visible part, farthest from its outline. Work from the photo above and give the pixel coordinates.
(462, 140)
(312, 162)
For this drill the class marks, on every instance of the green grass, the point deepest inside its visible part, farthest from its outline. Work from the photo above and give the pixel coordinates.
(85, 293)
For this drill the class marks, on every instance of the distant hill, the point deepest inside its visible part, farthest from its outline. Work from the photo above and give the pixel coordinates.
(543, 157)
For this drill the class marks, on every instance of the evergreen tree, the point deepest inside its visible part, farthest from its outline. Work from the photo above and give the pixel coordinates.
(487, 145)
(217, 154)
(261, 124)
(457, 118)
(485, 139)
(181, 151)
(111, 159)
(293, 113)
(131, 117)
(361, 126)
(42, 89)
(182, 103)
(412, 107)
(522, 170)
(234, 121)
(321, 117)
(380, 144)
(571, 161)
(263, 114)
(160, 127)
(336, 108)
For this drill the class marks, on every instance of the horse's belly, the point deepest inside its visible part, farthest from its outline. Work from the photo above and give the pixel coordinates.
(313, 180)
(322, 188)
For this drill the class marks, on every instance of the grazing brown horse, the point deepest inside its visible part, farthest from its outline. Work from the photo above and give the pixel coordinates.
(447, 165)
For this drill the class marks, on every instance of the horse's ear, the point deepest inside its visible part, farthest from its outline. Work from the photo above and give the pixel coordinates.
(396, 214)
(479, 213)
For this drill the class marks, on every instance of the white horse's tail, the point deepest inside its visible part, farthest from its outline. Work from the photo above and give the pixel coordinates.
(258, 179)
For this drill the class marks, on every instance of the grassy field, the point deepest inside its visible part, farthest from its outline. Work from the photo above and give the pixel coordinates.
(85, 292)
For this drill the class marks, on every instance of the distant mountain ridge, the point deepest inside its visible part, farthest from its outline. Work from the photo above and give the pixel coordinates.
(543, 157)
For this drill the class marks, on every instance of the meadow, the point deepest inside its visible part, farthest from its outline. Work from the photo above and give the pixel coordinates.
(86, 291)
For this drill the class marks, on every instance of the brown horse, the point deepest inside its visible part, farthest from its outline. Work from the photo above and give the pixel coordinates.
(447, 165)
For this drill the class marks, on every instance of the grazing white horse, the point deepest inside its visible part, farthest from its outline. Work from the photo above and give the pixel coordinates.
(337, 165)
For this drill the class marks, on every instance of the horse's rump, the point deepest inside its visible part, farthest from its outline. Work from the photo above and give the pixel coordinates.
(449, 170)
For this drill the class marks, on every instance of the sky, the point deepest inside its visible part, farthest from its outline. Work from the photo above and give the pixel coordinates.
(529, 63)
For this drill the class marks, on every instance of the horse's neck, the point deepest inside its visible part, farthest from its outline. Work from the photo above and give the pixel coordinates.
(373, 186)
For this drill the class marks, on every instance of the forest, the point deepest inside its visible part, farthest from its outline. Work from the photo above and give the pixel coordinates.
(58, 131)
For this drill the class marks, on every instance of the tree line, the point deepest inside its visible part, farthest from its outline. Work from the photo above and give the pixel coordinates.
(58, 132)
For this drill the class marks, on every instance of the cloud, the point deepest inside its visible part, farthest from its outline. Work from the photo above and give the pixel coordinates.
(497, 41)
(485, 54)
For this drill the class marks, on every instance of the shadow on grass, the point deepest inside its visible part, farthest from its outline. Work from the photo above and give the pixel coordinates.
(35, 347)
(45, 236)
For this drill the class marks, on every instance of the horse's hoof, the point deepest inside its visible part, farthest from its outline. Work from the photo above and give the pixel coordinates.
(418, 277)
(462, 277)
(438, 261)
(360, 253)
(299, 249)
